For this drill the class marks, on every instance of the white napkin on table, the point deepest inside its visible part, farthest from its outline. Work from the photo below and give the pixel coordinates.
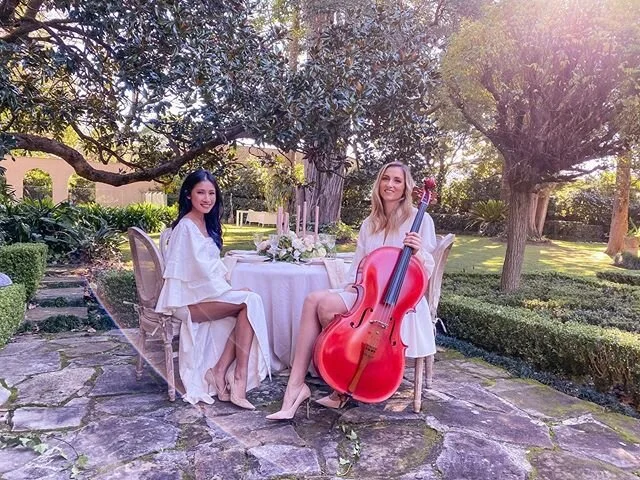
(229, 262)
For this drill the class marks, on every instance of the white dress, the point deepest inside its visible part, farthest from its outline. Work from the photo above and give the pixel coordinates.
(417, 329)
(194, 274)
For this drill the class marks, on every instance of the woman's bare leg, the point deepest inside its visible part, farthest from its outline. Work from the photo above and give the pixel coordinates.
(238, 344)
(318, 310)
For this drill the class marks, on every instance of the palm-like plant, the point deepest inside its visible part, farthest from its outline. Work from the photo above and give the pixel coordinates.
(489, 216)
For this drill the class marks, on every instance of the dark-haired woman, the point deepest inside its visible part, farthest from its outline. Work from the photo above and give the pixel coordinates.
(224, 348)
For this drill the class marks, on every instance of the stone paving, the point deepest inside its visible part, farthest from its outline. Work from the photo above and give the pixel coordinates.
(77, 392)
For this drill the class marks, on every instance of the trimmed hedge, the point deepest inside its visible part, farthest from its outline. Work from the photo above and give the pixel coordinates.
(568, 230)
(523, 369)
(559, 297)
(454, 223)
(610, 356)
(25, 263)
(620, 277)
(113, 288)
(12, 307)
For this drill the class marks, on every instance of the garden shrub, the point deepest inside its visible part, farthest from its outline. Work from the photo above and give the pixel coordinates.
(113, 288)
(452, 223)
(620, 277)
(570, 230)
(627, 260)
(343, 232)
(609, 356)
(561, 298)
(24, 263)
(12, 307)
(523, 369)
(488, 216)
(149, 217)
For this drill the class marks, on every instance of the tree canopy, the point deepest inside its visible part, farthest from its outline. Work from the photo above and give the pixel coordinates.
(152, 85)
(552, 84)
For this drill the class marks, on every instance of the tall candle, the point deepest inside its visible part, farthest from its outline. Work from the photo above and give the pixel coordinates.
(304, 219)
(298, 219)
(279, 221)
(285, 228)
(315, 229)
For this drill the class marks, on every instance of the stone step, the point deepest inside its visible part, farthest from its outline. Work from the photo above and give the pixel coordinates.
(63, 282)
(39, 314)
(61, 297)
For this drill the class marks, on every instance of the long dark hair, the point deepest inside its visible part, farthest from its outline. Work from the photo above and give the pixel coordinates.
(212, 220)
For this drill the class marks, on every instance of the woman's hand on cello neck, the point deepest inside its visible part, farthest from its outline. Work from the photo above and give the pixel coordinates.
(413, 240)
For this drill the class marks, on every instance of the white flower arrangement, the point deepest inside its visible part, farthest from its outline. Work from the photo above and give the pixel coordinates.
(292, 248)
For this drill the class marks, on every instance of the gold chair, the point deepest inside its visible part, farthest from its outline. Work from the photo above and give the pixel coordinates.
(148, 267)
(440, 255)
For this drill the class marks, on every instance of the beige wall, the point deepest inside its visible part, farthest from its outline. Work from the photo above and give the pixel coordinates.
(61, 172)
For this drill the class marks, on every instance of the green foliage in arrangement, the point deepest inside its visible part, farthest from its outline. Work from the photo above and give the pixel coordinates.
(609, 356)
(25, 264)
(620, 277)
(113, 289)
(560, 298)
(627, 260)
(12, 306)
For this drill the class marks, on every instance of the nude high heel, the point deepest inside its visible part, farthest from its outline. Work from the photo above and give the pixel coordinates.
(240, 402)
(330, 402)
(223, 395)
(303, 394)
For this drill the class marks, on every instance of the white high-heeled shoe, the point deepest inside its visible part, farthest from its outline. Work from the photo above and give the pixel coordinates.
(240, 402)
(303, 394)
(330, 402)
(223, 395)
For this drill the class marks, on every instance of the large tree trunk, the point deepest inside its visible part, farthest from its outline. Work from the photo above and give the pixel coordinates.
(517, 224)
(620, 218)
(325, 191)
(538, 211)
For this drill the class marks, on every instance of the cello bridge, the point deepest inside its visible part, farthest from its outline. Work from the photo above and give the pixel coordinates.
(381, 324)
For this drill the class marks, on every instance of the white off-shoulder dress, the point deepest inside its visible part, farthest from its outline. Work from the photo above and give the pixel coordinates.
(194, 273)
(417, 329)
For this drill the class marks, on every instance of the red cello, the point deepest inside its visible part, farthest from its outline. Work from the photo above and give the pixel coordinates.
(360, 353)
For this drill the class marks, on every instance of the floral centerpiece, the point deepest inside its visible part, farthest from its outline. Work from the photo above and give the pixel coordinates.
(289, 247)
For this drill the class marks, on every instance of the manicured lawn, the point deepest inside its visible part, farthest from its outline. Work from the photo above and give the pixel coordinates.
(469, 253)
(481, 254)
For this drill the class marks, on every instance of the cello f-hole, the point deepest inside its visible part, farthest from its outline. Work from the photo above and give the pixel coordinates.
(364, 312)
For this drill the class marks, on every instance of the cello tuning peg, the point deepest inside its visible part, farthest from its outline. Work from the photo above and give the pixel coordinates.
(429, 183)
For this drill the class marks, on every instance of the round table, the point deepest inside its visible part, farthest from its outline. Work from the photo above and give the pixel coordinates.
(283, 287)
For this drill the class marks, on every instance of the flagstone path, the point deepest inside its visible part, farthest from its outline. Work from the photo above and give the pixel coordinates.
(77, 393)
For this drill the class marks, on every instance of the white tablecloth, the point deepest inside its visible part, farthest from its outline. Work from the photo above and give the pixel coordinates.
(283, 287)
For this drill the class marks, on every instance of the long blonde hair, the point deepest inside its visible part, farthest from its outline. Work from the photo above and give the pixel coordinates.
(378, 219)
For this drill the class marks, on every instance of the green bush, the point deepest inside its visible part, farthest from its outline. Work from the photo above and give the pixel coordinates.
(620, 277)
(113, 288)
(12, 307)
(24, 263)
(149, 217)
(452, 223)
(343, 232)
(627, 260)
(487, 216)
(610, 356)
(562, 298)
(572, 230)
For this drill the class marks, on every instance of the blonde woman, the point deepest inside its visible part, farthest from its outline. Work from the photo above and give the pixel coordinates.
(389, 224)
